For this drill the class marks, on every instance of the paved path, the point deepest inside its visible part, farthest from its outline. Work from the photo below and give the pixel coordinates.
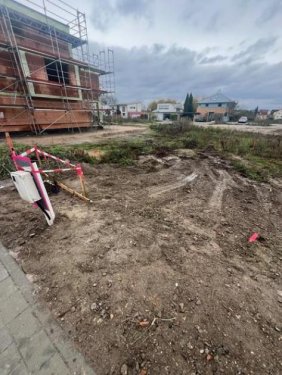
(31, 342)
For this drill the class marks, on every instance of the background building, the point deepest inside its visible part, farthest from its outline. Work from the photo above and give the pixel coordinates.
(48, 80)
(216, 107)
(131, 110)
(277, 115)
(168, 111)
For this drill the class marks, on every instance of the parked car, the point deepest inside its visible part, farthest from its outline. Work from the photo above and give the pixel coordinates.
(243, 120)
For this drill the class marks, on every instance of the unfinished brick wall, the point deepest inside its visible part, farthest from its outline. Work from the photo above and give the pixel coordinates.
(48, 105)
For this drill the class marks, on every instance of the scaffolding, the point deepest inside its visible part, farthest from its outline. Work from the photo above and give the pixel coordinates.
(57, 33)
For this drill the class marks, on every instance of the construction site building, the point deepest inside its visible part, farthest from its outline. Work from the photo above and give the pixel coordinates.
(48, 79)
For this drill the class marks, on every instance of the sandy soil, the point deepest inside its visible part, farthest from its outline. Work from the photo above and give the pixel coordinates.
(157, 275)
(274, 129)
(89, 136)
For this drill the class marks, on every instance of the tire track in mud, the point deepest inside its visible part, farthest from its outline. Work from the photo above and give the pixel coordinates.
(224, 183)
(155, 192)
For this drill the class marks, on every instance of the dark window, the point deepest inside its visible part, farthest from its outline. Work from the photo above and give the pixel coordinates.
(207, 105)
(18, 27)
(219, 104)
(56, 71)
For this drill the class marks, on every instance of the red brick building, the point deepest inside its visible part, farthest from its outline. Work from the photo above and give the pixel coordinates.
(46, 78)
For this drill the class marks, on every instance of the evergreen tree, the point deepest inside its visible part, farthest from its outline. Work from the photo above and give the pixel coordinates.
(186, 105)
(190, 106)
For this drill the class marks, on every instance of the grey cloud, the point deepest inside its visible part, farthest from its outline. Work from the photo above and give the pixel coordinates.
(212, 60)
(270, 11)
(146, 73)
(257, 49)
(106, 13)
(135, 8)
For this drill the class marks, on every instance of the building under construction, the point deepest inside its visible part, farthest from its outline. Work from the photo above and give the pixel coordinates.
(48, 79)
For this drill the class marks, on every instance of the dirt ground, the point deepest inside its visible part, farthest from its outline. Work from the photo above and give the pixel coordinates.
(156, 276)
(94, 136)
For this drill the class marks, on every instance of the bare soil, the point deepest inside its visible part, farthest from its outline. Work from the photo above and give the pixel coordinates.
(86, 136)
(157, 275)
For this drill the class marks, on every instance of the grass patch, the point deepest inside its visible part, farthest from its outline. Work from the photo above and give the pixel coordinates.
(255, 156)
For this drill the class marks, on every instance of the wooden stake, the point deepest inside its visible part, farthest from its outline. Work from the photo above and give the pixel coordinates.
(73, 192)
(9, 142)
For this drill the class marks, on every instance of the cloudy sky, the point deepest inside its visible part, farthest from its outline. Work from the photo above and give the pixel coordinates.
(165, 48)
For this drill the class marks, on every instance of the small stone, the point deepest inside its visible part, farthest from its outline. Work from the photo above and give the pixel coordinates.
(94, 285)
(104, 274)
(110, 283)
(94, 306)
(277, 329)
(112, 316)
(32, 235)
(202, 351)
(124, 369)
(73, 309)
(14, 255)
(30, 277)
(209, 357)
(198, 302)
(279, 292)
(181, 307)
(190, 346)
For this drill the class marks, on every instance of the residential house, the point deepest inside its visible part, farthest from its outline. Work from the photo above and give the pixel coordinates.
(131, 110)
(263, 114)
(277, 115)
(170, 111)
(215, 107)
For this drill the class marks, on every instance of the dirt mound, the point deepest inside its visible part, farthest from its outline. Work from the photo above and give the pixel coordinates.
(157, 275)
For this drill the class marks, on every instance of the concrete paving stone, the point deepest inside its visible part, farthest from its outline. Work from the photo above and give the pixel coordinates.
(36, 351)
(24, 326)
(7, 287)
(9, 360)
(1, 323)
(3, 272)
(32, 342)
(12, 306)
(20, 369)
(5, 339)
(54, 366)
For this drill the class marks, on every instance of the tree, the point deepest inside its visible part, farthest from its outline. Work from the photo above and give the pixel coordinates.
(186, 105)
(189, 106)
(153, 105)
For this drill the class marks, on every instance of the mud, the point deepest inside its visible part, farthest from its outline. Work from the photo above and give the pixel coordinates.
(157, 275)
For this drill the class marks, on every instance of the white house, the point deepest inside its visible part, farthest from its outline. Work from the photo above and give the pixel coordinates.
(167, 111)
(131, 110)
(277, 115)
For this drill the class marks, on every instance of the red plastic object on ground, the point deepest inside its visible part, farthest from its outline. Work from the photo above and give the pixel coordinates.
(254, 237)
